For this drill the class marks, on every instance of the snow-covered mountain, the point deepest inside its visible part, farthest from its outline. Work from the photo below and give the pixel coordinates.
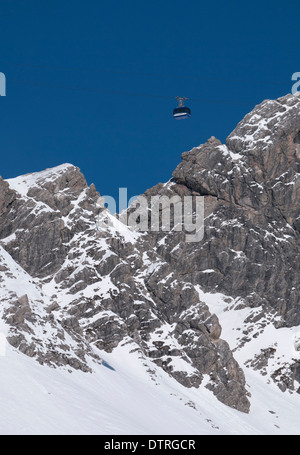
(105, 329)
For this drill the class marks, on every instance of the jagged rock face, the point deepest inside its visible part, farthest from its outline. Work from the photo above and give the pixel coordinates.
(106, 287)
(97, 288)
(252, 235)
(43, 204)
(31, 327)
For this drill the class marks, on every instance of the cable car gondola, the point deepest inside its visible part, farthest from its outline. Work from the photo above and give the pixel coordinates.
(181, 112)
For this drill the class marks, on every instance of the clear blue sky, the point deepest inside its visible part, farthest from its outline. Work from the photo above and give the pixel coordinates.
(69, 65)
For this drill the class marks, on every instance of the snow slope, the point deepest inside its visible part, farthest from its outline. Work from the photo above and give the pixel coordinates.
(37, 399)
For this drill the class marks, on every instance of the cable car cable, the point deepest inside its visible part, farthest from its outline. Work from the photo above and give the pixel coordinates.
(117, 92)
(172, 75)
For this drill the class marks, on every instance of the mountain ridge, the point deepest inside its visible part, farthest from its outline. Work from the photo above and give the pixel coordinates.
(170, 300)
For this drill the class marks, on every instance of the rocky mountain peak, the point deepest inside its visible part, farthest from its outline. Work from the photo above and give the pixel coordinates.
(258, 168)
(270, 128)
(52, 186)
(204, 312)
